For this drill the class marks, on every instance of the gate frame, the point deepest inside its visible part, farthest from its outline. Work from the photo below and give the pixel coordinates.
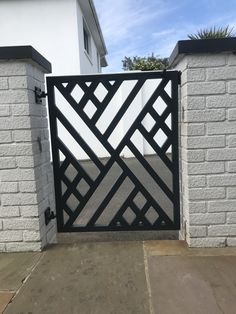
(173, 76)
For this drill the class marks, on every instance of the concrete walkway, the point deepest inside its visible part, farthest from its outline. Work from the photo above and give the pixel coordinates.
(119, 277)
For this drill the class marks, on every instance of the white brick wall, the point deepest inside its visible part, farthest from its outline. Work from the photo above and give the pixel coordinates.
(25, 187)
(208, 149)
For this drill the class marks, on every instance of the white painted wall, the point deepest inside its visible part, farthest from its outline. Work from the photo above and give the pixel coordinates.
(88, 63)
(53, 27)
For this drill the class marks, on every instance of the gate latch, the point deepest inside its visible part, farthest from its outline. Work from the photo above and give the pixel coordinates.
(48, 215)
(39, 95)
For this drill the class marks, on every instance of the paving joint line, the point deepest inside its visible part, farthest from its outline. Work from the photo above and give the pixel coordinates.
(147, 279)
(24, 280)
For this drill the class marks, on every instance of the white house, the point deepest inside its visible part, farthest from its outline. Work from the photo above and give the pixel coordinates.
(66, 32)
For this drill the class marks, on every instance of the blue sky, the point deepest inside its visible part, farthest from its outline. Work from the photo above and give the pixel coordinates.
(140, 27)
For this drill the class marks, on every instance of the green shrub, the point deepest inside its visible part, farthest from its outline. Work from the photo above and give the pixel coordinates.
(149, 63)
(213, 32)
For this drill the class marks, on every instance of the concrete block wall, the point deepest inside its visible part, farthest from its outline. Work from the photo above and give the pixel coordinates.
(26, 178)
(208, 148)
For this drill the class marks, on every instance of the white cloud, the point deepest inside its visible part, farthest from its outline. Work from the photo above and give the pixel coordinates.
(120, 19)
(163, 33)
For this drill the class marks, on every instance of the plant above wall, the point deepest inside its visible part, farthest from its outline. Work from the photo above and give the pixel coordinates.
(213, 32)
(149, 63)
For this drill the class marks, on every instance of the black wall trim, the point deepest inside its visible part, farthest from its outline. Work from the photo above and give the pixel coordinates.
(25, 52)
(202, 46)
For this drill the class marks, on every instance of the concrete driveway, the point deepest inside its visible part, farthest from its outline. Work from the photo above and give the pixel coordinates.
(119, 277)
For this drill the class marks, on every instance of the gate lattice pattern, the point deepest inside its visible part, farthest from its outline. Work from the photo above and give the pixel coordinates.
(68, 216)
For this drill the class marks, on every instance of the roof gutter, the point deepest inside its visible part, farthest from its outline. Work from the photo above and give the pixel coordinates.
(89, 12)
(98, 25)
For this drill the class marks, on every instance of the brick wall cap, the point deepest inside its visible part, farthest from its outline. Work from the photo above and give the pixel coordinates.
(184, 47)
(25, 53)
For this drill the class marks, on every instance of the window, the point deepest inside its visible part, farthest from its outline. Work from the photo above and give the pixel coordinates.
(86, 40)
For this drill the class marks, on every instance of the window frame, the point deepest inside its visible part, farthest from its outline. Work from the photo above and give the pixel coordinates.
(86, 39)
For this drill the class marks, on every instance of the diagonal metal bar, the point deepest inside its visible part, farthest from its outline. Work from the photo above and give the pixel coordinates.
(141, 188)
(70, 86)
(166, 145)
(64, 165)
(123, 108)
(107, 199)
(144, 111)
(140, 218)
(136, 182)
(167, 99)
(106, 84)
(74, 162)
(67, 209)
(78, 139)
(87, 121)
(106, 101)
(71, 188)
(156, 148)
(63, 201)
(93, 188)
(160, 122)
(124, 207)
(88, 91)
(150, 170)
(142, 212)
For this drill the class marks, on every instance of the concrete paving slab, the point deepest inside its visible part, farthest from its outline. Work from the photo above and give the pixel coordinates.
(14, 268)
(5, 298)
(180, 248)
(87, 278)
(193, 284)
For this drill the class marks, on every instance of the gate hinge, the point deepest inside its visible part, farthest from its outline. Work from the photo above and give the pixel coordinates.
(48, 215)
(39, 95)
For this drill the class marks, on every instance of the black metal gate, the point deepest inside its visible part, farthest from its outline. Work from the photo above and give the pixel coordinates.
(149, 200)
